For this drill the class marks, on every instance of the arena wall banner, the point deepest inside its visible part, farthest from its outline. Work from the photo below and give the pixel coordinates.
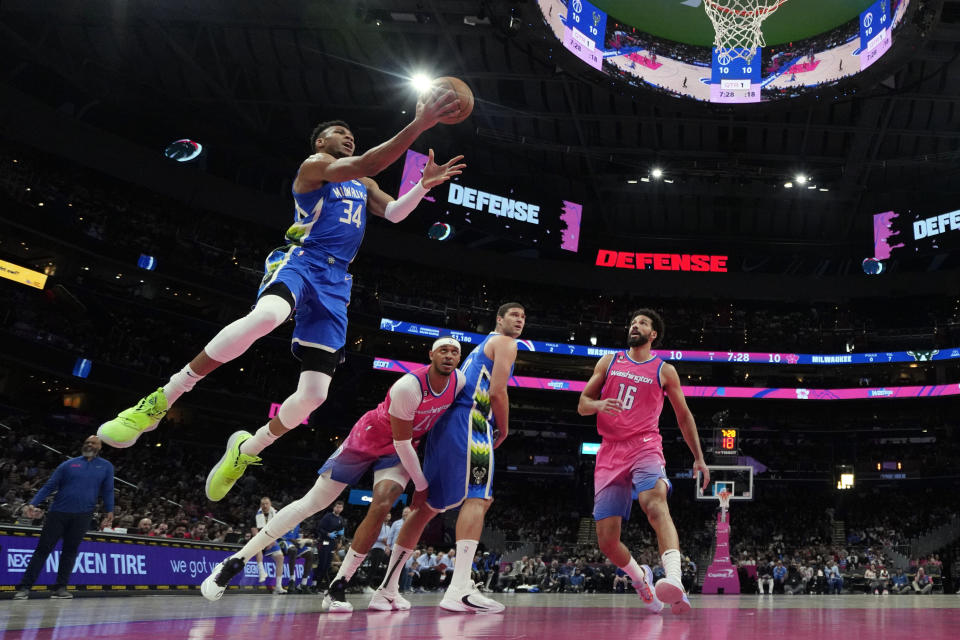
(697, 391)
(109, 562)
(689, 355)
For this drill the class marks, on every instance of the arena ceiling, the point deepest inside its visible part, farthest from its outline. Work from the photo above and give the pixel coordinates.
(251, 79)
(686, 21)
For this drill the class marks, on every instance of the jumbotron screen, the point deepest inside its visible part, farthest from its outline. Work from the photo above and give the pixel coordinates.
(473, 205)
(904, 234)
(627, 53)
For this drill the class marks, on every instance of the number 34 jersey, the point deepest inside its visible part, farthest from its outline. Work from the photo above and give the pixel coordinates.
(330, 221)
(637, 386)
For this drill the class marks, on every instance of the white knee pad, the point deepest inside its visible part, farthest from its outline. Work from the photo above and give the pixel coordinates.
(310, 394)
(269, 313)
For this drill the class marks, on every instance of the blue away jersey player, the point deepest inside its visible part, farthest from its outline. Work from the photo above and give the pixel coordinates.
(458, 463)
(308, 278)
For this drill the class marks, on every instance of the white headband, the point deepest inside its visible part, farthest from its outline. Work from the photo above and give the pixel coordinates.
(446, 340)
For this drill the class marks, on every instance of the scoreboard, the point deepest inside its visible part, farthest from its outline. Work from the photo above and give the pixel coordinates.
(736, 80)
(726, 442)
(875, 32)
(584, 29)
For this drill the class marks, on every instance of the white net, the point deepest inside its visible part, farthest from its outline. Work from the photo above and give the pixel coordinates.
(724, 501)
(737, 26)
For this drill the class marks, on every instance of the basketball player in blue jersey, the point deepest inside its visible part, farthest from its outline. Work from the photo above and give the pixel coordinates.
(458, 465)
(308, 279)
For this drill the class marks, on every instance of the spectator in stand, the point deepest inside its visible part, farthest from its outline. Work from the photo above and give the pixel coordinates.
(330, 530)
(78, 483)
(884, 578)
(577, 581)
(793, 584)
(922, 583)
(621, 581)
(199, 532)
(900, 582)
(765, 577)
(429, 576)
(379, 552)
(779, 576)
(870, 578)
(144, 527)
(834, 579)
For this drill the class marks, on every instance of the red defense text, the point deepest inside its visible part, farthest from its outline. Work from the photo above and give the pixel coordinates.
(661, 261)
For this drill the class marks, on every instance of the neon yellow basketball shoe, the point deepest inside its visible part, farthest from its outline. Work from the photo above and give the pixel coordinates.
(231, 466)
(123, 431)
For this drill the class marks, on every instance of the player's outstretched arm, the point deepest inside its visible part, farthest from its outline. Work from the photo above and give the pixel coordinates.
(688, 426)
(504, 355)
(590, 402)
(383, 205)
(322, 167)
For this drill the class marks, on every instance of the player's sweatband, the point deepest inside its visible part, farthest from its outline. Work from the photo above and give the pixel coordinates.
(402, 206)
(410, 462)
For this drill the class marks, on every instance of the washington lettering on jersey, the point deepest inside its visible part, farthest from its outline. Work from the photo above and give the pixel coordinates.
(637, 386)
(631, 376)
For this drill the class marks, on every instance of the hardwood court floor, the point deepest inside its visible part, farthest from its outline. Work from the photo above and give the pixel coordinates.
(557, 617)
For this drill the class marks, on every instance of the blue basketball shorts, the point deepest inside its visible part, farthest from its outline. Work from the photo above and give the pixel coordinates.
(616, 498)
(458, 462)
(321, 292)
(348, 465)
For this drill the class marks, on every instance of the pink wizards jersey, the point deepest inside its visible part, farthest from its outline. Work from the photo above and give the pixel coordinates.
(373, 435)
(637, 386)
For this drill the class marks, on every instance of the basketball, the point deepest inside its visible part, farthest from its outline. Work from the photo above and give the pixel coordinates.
(464, 95)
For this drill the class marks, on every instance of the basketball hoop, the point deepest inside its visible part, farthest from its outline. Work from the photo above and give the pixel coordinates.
(737, 26)
(724, 500)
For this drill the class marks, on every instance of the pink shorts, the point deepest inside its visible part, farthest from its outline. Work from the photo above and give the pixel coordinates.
(625, 468)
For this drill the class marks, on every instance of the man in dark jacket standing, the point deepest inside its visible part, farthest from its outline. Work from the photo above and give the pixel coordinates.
(77, 483)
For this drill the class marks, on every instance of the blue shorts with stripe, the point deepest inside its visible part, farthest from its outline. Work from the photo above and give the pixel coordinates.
(321, 291)
(616, 498)
(458, 462)
(348, 465)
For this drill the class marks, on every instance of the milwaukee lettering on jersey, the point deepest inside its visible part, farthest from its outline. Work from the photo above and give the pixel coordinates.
(346, 191)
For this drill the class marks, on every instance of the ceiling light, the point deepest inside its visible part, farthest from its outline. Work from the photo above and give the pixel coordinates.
(421, 82)
(801, 179)
(657, 172)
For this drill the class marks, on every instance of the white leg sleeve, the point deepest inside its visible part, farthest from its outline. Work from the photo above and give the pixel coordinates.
(323, 493)
(310, 394)
(269, 313)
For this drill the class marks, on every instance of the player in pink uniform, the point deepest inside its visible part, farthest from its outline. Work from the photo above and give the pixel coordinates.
(626, 393)
(384, 440)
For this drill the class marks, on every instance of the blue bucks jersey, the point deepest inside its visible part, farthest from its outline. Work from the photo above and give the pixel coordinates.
(330, 221)
(477, 369)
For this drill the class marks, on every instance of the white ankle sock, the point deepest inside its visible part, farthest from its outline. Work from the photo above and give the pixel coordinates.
(351, 562)
(180, 383)
(633, 570)
(466, 549)
(260, 441)
(399, 556)
(671, 564)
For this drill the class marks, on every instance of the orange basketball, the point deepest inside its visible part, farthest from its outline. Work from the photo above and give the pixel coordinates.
(464, 95)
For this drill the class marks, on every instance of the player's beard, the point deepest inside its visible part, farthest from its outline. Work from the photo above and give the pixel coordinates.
(637, 339)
